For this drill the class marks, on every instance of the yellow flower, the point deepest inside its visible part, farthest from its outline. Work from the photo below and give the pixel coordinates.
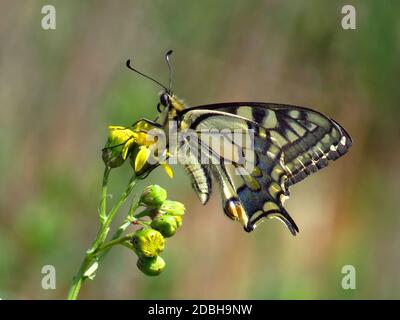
(148, 242)
(178, 220)
(143, 139)
(141, 164)
(141, 158)
(168, 170)
(137, 142)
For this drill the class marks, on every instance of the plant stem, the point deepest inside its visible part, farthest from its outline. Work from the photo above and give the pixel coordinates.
(103, 201)
(115, 236)
(94, 252)
(107, 246)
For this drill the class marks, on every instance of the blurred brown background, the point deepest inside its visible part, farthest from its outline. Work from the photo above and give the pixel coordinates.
(59, 89)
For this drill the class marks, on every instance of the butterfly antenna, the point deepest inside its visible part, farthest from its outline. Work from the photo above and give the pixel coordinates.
(128, 64)
(168, 59)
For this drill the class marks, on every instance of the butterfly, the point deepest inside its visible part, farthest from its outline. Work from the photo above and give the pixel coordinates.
(289, 143)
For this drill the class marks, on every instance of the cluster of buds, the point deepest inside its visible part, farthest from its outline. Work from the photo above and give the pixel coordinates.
(135, 143)
(166, 218)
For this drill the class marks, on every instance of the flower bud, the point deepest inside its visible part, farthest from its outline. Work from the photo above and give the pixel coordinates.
(148, 242)
(166, 224)
(151, 266)
(119, 141)
(173, 208)
(153, 196)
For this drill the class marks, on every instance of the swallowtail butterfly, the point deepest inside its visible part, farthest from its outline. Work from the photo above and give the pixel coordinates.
(290, 143)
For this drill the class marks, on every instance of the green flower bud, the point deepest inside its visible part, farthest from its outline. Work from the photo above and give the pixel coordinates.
(173, 208)
(166, 224)
(148, 242)
(120, 140)
(153, 196)
(151, 266)
(112, 157)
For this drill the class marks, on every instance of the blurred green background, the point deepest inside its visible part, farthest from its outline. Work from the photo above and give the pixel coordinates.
(60, 89)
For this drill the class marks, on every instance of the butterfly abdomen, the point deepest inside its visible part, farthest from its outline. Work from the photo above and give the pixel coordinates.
(200, 179)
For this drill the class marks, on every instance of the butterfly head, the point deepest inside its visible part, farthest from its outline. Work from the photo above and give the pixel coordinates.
(170, 102)
(168, 107)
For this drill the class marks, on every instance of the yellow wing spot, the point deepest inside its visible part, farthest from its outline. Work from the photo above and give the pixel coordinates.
(279, 139)
(335, 133)
(294, 114)
(277, 172)
(273, 189)
(326, 139)
(245, 112)
(270, 120)
(251, 183)
(291, 136)
(273, 151)
(318, 120)
(298, 128)
(262, 133)
(256, 172)
(269, 205)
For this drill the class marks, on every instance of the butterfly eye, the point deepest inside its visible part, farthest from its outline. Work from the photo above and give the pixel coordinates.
(164, 100)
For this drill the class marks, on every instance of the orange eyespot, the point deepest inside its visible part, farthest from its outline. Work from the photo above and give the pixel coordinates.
(234, 210)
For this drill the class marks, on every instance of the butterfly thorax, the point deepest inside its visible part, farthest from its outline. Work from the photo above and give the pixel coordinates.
(176, 103)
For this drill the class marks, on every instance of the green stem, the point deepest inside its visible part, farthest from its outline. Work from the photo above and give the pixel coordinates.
(103, 201)
(115, 236)
(121, 200)
(79, 278)
(127, 222)
(107, 246)
(92, 255)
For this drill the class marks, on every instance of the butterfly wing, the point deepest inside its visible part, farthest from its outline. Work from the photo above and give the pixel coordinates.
(290, 143)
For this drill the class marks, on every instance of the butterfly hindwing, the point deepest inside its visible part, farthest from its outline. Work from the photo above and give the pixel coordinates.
(252, 196)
